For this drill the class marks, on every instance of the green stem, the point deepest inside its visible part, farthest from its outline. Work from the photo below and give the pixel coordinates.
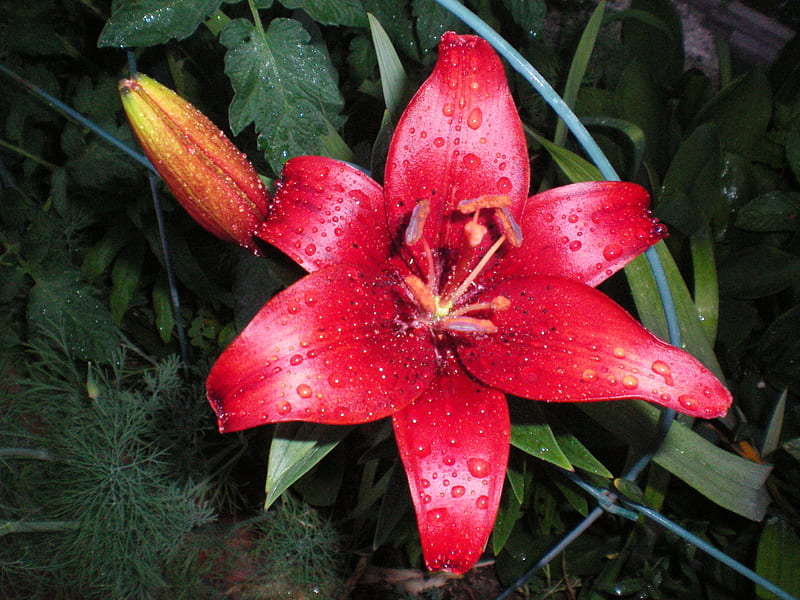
(28, 155)
(256, 17)
(25, 453)
(9, 527)
(217, 22)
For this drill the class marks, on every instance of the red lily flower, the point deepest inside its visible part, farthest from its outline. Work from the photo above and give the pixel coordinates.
(430, 299)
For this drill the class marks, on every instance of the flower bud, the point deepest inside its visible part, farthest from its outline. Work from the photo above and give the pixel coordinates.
(207, 174)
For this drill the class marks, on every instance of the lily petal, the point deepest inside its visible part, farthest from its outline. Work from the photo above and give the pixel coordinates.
(454, 442)
(585, 231)
(459, 138)
(326, 212)
(563, 341)
(326, 350)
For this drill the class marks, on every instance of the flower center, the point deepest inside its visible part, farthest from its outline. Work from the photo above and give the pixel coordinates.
(439, 309)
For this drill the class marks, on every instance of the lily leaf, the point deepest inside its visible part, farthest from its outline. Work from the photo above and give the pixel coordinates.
(535, 437)
(778, 559)
(393, 76)
(575, 168)
(724, 478)
(296, 448)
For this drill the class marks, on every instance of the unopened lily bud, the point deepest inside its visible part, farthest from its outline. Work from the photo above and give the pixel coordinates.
(207, 174)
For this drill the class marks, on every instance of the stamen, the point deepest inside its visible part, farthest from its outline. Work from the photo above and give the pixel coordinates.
(421, 293)
(510, 226)
(466, 207)
(475, 272)
(469, 325)
(416, 225)
(497, 303)
(475, 233)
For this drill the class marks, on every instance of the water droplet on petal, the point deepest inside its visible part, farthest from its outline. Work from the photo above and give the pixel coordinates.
(588, 375)
(284, 407)
(630, 382)
(478, 467)
(475, 118)
(311, 249)
(422, 449)
(438, 142)
(448, 110)
(471, 161)
(662, 368)
(482, 501)
(425, 483)
(304, 390)
(437, 515)
(619, 352)
(295, 360)
(687, 402)
(504, 185)
(575, 245)
(612, 251)
(457, 491)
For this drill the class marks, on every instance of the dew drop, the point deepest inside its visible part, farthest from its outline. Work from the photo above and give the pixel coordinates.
(422, 449)
(425, 483)
(504, 185)
(662, 368)
(482, 501)
(284, 407)
(612, 251)
(475, 118)
(335, 380)
(310, 249)
(426, 499)
(588, 376)
(449, 461)
(304, 390)
(630, 382)
(437, 515)
(448, 110)
(687, 402)
(619, 352)
(457, 491)
(575, 245)
(572, 218)
(295, 360)
(471, 161)
(478, 467)
(549, 218)
(438, 142)
(293, 309)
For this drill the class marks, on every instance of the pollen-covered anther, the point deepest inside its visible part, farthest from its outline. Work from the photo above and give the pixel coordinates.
(467, 207)
(416, 224)
(468, 325)
(500, 303)
(512, 229)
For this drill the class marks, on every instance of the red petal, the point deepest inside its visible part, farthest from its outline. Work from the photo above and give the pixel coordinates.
(459, 138)
(454, 444)
(326, 350)
(326, 212)
(563, 341)
(586, 231)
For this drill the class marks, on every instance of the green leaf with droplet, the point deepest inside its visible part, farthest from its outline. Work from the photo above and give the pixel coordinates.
(295, 449)
(432, 20)
(151, 22)
(284, 85)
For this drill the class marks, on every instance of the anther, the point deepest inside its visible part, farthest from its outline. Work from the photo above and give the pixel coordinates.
(467, 207)
(416, 225)
(469, 325)
(510, 226)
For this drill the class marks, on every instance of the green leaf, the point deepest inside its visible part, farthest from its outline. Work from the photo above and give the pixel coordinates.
(393, 76)
(528, 14)
(772, 211)
(535, 437)
(793, 152)
(350, 13)
(632, 134)
(125, 277)
(283, 84)
(295, 449)
(508, 514)
(60, 299)
(162, 307)
(779, 348)
(691, 194)
(706, 284)
(651, 310)
(397, 22)
(741, 111)
(757, 271)
(151, 22)
(395, 504)
(432, 21)
(577, 69)
(653, 33)
(98, 258)
(724, 478)
(778, 558)
(574, 167)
